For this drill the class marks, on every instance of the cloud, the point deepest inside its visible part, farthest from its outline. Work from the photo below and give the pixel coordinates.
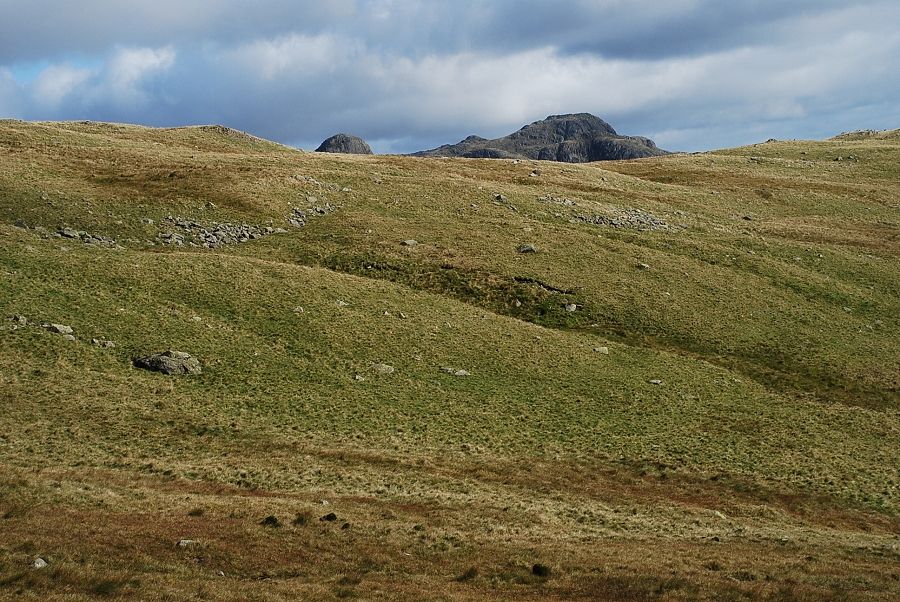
(10, 94)
(294, 55)
(118, 86)
(51, 29)
(411, 75)
(56, 82)
(129, 67)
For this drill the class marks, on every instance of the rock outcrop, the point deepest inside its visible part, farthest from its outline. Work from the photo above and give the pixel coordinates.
(169, 362)
(575, 138)
(345, 143)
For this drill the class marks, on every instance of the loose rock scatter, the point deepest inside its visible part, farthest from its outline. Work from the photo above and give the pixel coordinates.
(88, 239)
(626, 218)
(300, 217)
(557, 200)
(211, 236)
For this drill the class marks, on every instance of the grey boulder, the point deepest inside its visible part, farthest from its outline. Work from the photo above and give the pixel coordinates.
(58, 328)
(169, 362)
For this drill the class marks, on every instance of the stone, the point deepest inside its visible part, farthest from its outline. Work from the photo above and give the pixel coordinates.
(527, 248)
(643, 266)
(409, 243)
(603, 350)
(104, 343)
(169, 362)
(500, 197)
(58, 328)
(342, 303)
(455, 371)
(39, 563)
(571, 307)
(655, 381)
(186, 543)
(382, 368)
(69, 337)
(19, 320)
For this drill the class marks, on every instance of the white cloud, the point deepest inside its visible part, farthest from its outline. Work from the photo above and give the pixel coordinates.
(10, 95)
(56, 82)
(64, 91)
(130, 66)
(293, 55)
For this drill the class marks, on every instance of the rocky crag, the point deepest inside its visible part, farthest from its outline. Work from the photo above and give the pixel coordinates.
(345, 143)
(573, 138)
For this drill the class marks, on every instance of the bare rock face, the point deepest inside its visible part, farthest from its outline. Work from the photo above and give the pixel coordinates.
(345, 143)
(169, 362)
(574, 138)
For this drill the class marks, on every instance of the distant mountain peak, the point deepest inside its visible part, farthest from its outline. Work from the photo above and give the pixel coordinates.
(571, 138)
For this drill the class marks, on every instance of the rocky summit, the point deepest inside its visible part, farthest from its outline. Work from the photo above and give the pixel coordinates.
(346, 144)
(572, 138)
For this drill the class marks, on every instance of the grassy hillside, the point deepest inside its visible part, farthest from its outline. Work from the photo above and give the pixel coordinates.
(717, 418)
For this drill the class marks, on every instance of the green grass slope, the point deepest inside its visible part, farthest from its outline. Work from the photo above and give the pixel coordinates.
(736, 438)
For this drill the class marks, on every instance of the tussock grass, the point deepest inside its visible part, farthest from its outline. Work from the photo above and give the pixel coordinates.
(769, 441)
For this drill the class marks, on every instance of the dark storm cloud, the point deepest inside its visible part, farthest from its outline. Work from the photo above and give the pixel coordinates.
(408, 75)
(643, 29)
(39, 29)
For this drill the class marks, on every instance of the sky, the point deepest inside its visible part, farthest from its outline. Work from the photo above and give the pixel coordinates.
(409, 75)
